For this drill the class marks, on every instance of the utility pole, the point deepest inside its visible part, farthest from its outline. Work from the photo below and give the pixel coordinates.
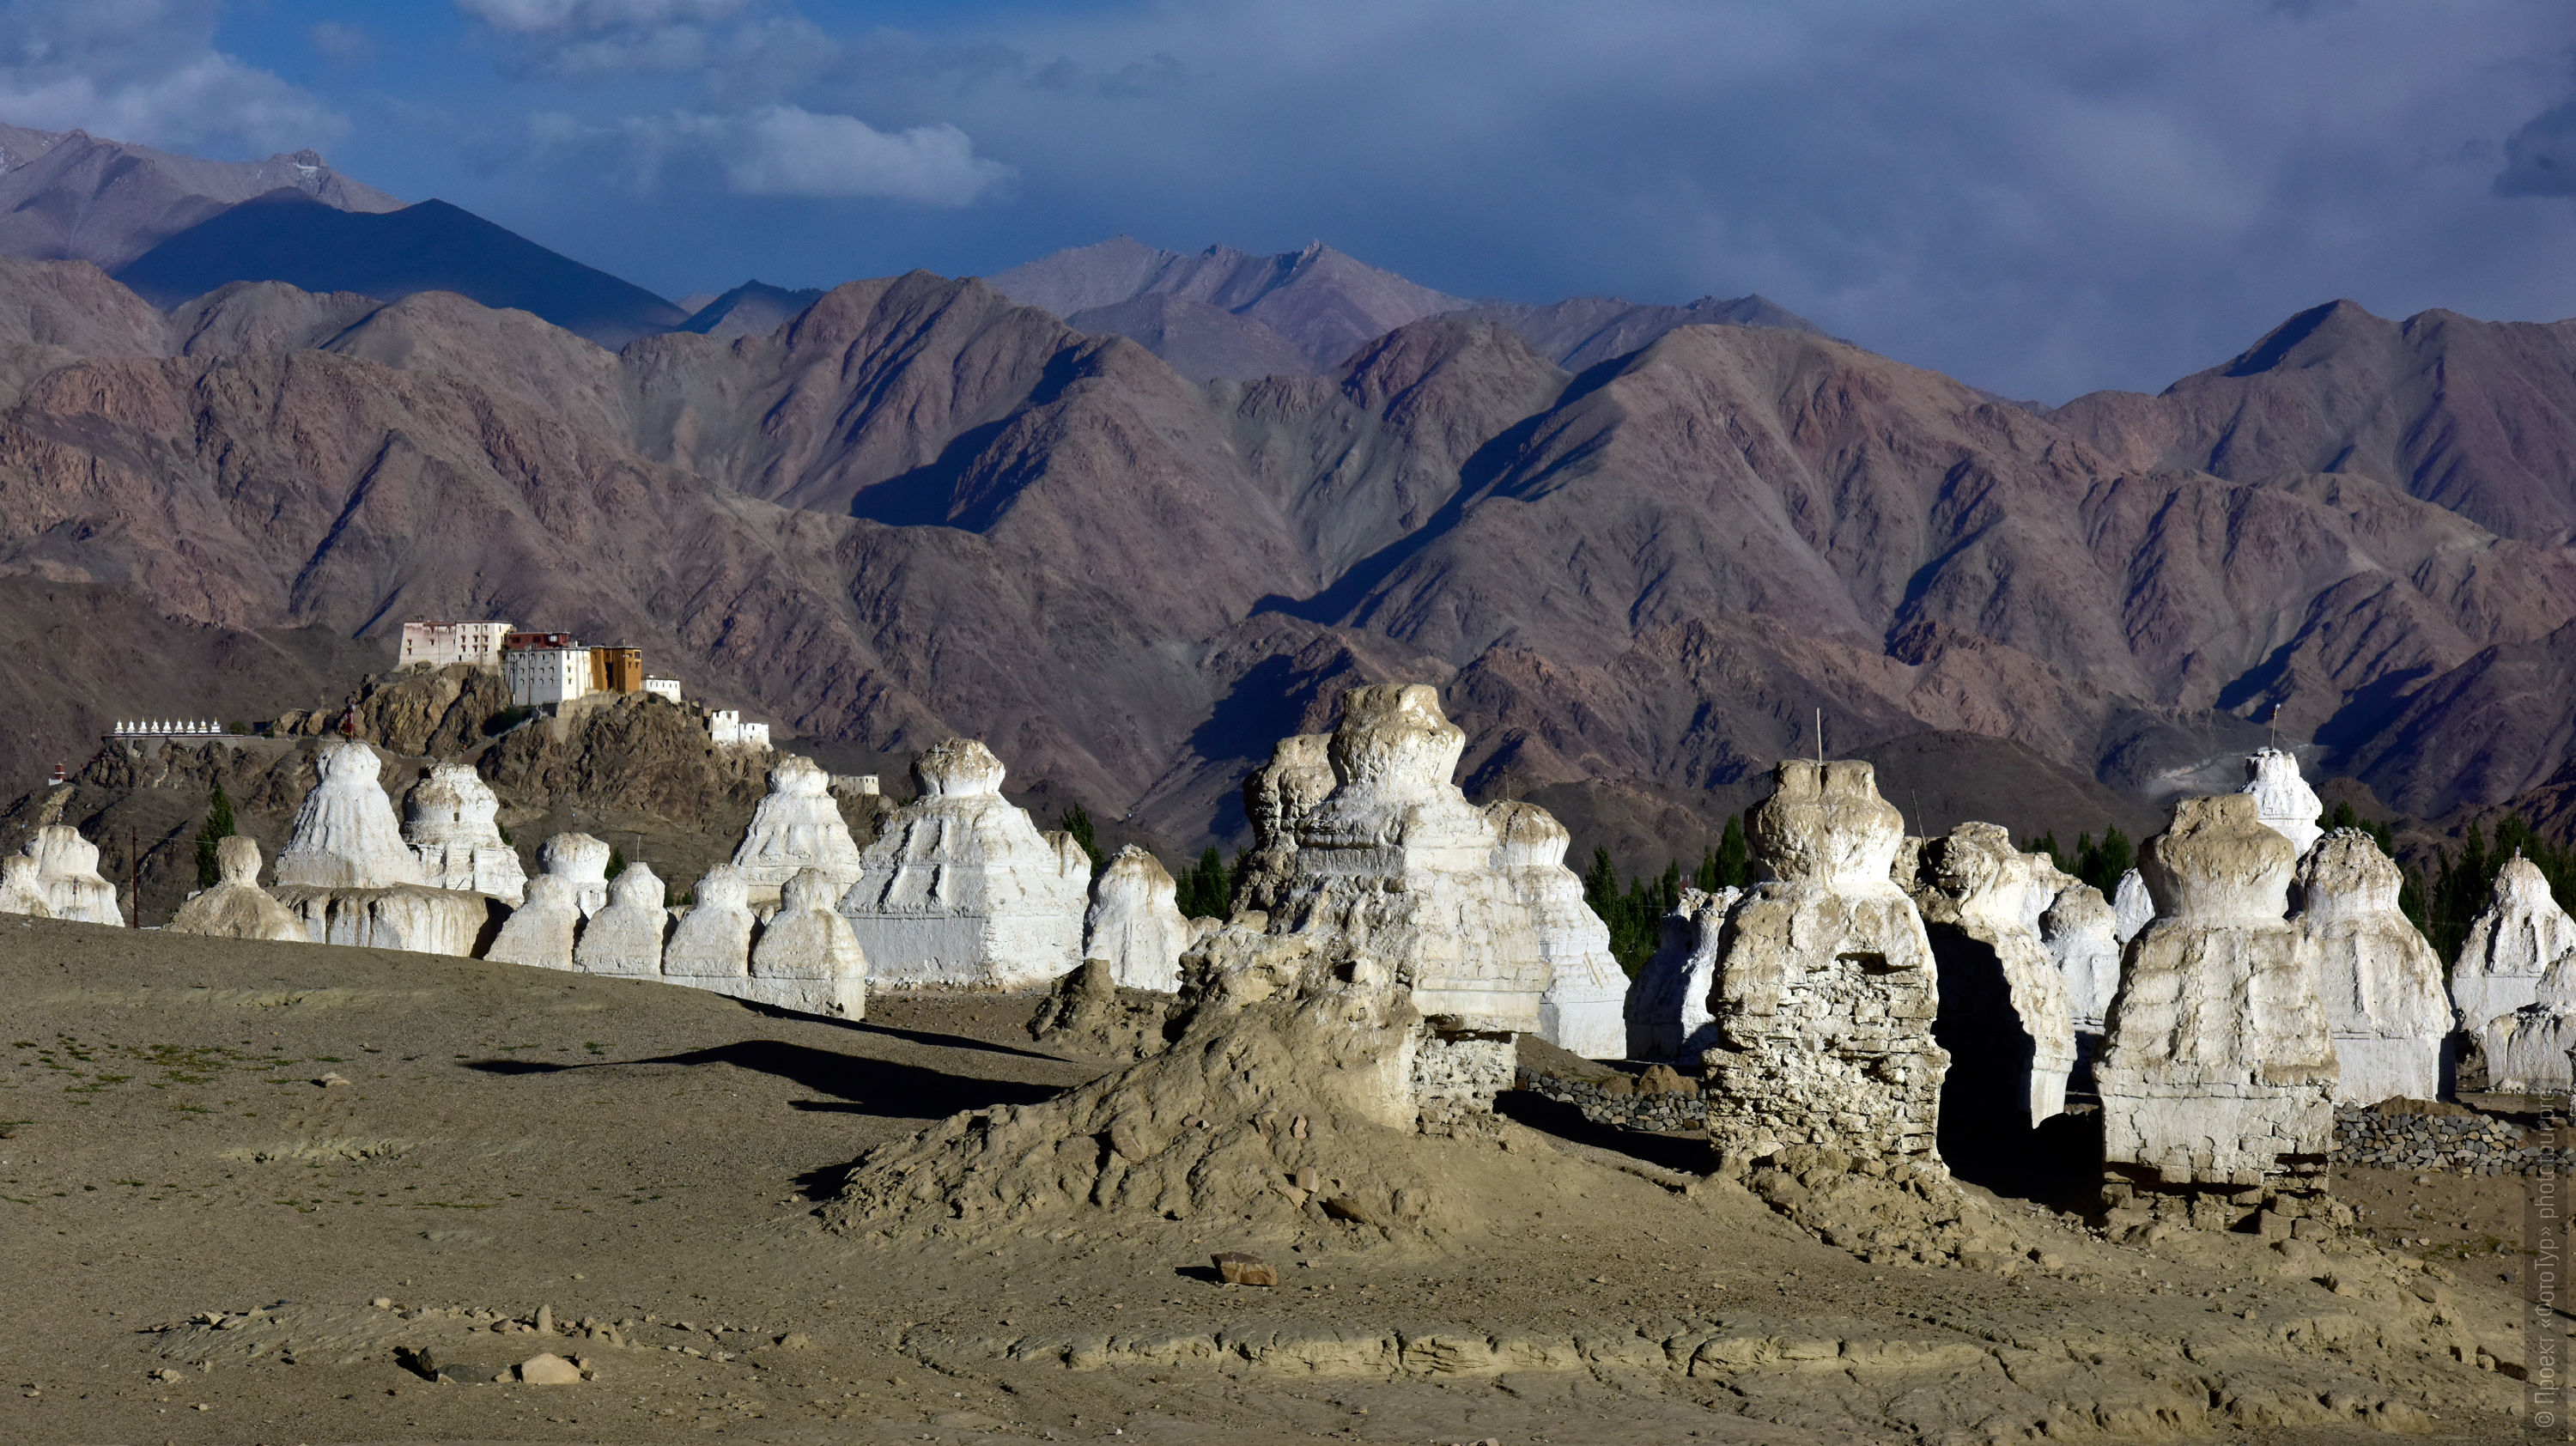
(133, 883)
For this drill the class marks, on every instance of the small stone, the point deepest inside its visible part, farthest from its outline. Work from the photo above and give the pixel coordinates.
(549, 1369)
(796, 1341)
(167, 1374)
(545, 1320)
(1240, 1269)
(382, 1302)
(332, 1081)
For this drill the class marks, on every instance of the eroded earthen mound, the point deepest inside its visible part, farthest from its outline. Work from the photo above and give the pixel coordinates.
(1283, 1098)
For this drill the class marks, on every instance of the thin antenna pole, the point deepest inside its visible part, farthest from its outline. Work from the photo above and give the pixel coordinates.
(1820, 737)
(133, 883)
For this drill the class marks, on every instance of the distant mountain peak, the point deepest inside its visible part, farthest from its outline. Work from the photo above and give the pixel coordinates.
(755, 308)
(290, 236)
(1225, 314)
(70, 195)
(1250, 311)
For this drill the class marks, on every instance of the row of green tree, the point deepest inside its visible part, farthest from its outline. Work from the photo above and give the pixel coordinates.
(2442, 903)
(1634, 912)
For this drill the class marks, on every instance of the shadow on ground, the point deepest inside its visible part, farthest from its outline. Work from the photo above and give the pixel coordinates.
(1688, 1154)
(859, 1085)
(910, 1036)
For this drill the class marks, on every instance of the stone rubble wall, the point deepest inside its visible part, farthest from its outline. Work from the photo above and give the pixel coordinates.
(1622, 1105)
(2473, 1144)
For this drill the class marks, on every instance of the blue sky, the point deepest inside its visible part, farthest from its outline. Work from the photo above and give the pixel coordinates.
(2041, 198)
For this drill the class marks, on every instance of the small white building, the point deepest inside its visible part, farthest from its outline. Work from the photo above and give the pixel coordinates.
(537, 676)
(663, 688)
(440, 643)
(725, 725)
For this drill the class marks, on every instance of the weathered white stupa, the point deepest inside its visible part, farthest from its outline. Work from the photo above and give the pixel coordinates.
(1587, 991)
(2380, 983)
(797, 827)
(22, 891)
(625, 937)
(67, 873)
(582, 863)
(236, 907)
(807, 959)
(1134, 923)
(1670, 1010)
(346, 836)
(710, 947)
(540, 932)
(2218, 1073)
(348, 875)
(2082, 932)
(2005, 1016)
(2131, 907)
(2510, 947)
(960, 890)
(1395, 870)
(1825, 989)
(1276, 799)
(2283, 799)
(451, 820)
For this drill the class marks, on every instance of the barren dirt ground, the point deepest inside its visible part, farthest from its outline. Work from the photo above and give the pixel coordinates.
(204, 1244)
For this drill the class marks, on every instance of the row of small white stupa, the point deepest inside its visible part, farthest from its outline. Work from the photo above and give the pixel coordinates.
(1815, 998)
(959, 890)
(2060, 947)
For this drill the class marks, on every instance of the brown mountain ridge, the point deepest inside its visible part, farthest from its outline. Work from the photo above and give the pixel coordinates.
(917, 508)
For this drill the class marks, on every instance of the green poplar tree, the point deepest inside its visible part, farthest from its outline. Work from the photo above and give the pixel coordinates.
(218, 826)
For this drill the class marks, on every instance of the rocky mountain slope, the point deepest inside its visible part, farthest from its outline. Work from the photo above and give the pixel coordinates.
(919, 508)
(68, 195)
(1583, 331)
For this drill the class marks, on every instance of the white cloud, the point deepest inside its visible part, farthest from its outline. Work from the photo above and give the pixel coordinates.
(594, 17)
(781, 150)
(342, 44)
(728, 44)
(147, 71)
